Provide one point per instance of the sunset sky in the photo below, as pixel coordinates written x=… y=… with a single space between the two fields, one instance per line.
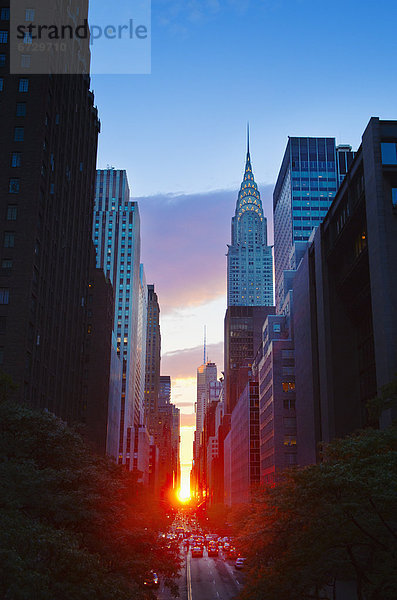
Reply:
x=290 y=67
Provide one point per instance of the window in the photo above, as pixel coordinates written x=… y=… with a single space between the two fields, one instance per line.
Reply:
x=19 y=134
x=12 y=211
x=23 y=85
x=16 y=159
x=5 y=14
x=389 y=153
x=2 y=60
x=1 y=84
x=25 y=61
x=21 y=109
x=4 y=295
x=289 y=404
x=288 y=386
x=276 y=327
x=3 y=36
x=14 y=186
x=29 y=14
x=6 y=263
x=9 y=239
x=394 y=197
x=289 y=440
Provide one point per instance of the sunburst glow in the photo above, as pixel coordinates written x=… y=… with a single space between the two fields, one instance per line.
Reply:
x=184 y=493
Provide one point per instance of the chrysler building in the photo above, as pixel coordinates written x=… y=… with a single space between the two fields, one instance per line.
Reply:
x=249 y=258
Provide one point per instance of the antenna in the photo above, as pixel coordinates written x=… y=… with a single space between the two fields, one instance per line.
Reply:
x=248 y=137
x=205 y=344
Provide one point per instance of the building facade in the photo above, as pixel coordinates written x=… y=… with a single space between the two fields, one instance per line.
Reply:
x=102 y=368
x=48 y=134
x=243 y=464
x=167 y=438
x=243 y=336
x=153 y=353
x=275 y=366
x=249 y=258
x=206 y=374
x=345 y=296
x=310 y=174
x=116 y=236
x=164 y=390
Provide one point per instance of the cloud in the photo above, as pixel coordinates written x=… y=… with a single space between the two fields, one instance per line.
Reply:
x=178 y=364
x=184 y=243
x=177 y=14
x=171 y=11
x=188 y=420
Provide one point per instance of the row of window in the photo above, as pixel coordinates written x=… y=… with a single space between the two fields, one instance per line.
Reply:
x=4 y=295
x=23 y=85
x=29 y=14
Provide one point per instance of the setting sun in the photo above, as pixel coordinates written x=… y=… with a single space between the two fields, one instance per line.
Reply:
x=184 y=494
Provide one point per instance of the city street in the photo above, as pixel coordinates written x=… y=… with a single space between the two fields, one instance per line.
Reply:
x=206 y=579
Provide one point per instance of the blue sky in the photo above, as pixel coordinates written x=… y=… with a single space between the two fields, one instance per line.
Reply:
x=290 y=67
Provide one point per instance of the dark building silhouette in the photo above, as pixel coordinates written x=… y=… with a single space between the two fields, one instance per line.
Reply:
x=242 y=455
x=345 y=298
x=167 y=438
x=102 y=368
x=243 y=335
x=153 y=351
x=48 y=135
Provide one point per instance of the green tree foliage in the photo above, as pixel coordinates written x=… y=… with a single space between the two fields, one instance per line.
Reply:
x=73 y=525
x=326 y=524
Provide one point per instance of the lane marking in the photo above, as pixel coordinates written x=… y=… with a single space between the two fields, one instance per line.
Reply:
x=188 y=578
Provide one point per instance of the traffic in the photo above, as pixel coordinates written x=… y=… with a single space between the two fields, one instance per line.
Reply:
x=212 y=564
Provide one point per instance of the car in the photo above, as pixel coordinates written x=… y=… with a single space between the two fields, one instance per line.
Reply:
x=152 y=580
x=197 y=552
x=212 y=550
x=239 y=564
x=232 y=553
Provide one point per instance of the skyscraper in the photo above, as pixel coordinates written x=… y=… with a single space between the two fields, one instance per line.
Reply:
x=249 y=258
x=167 y=437
x=153 y=352
x=116 y=234
x=345 y=296
x=48 y=134
x=165 y=389
x=310 y=174
x=249 y=284
x=205 y=374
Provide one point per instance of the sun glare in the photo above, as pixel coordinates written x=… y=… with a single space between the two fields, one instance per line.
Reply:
x=184 y=494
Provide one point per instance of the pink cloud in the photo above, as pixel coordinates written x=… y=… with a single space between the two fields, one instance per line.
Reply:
x=184 y=240
x=178 y=364
x=188 y=420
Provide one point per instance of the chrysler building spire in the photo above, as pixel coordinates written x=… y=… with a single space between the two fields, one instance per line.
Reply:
x=250 y=261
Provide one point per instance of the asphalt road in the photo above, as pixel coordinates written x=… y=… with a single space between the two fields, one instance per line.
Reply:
x=207 y=579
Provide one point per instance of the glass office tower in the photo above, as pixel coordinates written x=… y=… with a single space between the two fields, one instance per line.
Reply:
x=305 y=188
x=116 y=235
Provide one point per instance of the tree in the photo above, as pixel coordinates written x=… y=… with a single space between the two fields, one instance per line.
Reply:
x=73 y=524
x=328 y=523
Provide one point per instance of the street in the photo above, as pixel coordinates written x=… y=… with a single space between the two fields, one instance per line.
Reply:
x=206 y=579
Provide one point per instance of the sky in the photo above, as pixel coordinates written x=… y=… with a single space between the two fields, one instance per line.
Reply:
x=290 y=68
